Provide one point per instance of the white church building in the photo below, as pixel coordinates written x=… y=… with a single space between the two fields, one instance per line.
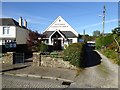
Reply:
x=59 y=34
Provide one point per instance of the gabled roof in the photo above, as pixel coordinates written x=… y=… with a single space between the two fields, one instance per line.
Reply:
x=47 y=33
x=9 y=22
x=62 y=25
x=66 y=34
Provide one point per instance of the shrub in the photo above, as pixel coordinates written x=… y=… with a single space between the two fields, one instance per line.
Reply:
x=42 y=47
x=74 y=54
x=104 y=41
x=54 y=54
x=111 y=54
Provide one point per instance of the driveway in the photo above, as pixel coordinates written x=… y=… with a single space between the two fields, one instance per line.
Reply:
x=99 y=72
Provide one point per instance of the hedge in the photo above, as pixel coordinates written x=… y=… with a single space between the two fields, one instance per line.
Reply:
x=74 y=53
x=104 y=41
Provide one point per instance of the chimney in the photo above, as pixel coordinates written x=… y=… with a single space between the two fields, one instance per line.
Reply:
x=25 y=23
x=20 y=21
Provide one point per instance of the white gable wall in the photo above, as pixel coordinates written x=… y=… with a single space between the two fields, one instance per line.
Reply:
x=61 y=25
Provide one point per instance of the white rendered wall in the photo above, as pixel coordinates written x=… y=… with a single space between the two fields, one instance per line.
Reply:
x=61 y=25
x=74 y=40
x=12 y=32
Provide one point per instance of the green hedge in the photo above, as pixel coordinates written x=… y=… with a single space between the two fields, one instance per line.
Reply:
x=74 y=53
x=104 y=41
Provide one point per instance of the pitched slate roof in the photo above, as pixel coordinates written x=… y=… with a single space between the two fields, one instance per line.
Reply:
x=47 y=33
x=67 y=34
x=9 y=22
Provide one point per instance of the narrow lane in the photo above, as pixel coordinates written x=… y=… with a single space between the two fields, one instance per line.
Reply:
x=99 y=72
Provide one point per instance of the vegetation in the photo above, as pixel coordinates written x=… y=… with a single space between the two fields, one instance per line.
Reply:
x=109 y=45
x=104 y=41
x=54 y=54
x=42 y=47
x=74 y=53
x=34 y=42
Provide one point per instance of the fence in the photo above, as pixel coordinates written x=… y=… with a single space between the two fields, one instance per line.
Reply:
x=18 y=58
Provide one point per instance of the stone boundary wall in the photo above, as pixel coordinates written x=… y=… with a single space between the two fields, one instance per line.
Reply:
x=7 y=58
x=48 y=61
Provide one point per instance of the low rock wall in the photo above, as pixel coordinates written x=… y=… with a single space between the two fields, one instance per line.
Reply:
x=7 y=58
x=48 y=61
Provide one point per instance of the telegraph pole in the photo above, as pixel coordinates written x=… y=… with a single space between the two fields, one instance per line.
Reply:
x=84 y=34
x=104 y=11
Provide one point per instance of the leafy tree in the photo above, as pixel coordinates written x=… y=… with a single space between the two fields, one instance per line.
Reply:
x=116 y=31
x=34 y=40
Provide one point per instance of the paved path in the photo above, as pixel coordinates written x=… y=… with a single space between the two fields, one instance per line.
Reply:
x=97 y=74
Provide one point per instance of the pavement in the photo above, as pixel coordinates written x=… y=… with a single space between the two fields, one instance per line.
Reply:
x=28 y=70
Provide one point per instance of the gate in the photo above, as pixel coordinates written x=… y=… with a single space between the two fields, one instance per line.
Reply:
x=18 y=58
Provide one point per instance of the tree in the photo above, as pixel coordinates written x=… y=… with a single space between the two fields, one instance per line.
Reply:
x=34 y=40
x=96 y=33
x=116 y=31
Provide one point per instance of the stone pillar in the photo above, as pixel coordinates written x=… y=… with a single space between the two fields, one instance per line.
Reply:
x=36 y=59
x=10 y=57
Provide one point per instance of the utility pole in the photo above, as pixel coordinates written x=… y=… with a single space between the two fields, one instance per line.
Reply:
x=84 y=34
x=104 y=11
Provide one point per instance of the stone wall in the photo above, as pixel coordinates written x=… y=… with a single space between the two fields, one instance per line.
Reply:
x=36 y=59
x=7 y=58
x=48 y=61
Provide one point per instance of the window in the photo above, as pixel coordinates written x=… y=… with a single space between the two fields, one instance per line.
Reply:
x=6 y=30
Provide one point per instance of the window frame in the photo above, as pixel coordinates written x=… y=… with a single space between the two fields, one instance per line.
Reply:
x=6 y=30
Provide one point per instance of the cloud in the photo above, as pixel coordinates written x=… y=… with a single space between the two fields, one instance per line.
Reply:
x=96 y=24
x=38 y=20
x=30 y=18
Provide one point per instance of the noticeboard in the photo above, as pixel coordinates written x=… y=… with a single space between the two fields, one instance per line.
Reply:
x=10 y=45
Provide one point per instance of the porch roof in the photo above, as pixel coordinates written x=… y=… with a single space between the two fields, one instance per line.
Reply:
x=67 y=34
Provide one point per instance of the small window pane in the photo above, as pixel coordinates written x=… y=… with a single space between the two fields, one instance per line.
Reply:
x=5 y=30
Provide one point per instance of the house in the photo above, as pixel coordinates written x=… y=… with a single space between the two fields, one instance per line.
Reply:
x=13 y=34
x=59 y=34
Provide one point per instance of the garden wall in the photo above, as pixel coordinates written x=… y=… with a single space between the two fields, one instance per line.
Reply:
x=7 y=58
x=48 y=61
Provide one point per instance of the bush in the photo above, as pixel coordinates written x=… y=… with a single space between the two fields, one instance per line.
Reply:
x=104 y=41
x=54 y=54
x=42 y=47
x=74 y=54
x=111 y=54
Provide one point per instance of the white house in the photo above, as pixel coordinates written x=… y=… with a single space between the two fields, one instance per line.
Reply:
x=12 y=31
x=60 y=33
